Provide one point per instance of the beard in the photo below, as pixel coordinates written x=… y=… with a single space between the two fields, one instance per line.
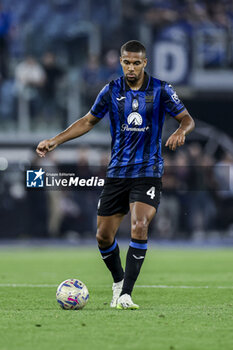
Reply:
x=132 y=80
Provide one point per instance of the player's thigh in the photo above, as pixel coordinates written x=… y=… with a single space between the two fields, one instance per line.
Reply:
x=141 y=216
x=141 y=212
x=107 y=226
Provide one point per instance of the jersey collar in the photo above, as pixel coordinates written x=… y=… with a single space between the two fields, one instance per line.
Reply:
x=144 y=85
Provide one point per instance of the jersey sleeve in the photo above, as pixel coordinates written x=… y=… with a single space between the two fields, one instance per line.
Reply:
x=101 y=104
x=170 y=100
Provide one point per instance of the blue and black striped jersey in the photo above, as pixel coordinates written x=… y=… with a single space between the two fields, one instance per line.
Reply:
x=136 y=122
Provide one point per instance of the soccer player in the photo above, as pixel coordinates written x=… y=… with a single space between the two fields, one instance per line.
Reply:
x=136 y=103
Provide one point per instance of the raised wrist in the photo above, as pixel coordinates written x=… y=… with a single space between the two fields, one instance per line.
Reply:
x=181 y=130
x=56 y=140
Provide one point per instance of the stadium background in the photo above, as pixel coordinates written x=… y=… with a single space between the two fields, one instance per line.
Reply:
x=56 y=55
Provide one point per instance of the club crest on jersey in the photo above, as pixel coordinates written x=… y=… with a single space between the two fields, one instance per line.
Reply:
x=135 y=104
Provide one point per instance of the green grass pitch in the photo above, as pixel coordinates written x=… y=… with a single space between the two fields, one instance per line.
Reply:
x=171 y=316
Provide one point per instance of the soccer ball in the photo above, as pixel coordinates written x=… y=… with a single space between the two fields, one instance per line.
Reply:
x=72 y=294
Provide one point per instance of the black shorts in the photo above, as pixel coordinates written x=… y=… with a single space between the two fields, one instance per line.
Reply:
x=119 y=193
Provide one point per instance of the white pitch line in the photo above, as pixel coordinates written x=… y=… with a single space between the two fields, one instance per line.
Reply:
x=184 y=287
x=15 y=285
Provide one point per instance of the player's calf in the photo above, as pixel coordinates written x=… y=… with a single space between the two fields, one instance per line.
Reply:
x=134 y=260
x=111 y=258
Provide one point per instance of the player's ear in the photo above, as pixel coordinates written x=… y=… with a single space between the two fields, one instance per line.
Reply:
x=145 y=62
x=121 y=60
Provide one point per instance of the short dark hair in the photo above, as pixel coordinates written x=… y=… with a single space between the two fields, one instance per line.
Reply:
x=133 y=46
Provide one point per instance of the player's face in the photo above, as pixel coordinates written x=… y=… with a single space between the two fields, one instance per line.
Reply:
x=133 y=64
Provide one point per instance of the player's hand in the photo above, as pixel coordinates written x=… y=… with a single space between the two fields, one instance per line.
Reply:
x=177 y=139
x=45 y=146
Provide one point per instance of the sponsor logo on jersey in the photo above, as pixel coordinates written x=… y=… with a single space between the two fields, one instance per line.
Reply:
x=120 y=98
x=134 y=120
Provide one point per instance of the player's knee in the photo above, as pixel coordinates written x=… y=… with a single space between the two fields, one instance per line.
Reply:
x=140 y=228
x=103 y=238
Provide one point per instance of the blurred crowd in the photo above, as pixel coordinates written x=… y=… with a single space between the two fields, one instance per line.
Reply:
x=198 y=194
x=196 y=13
x=33 y=91
x=41 y=47
x=196 y=204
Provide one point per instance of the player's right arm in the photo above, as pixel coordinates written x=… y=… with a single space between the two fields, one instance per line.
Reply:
x=77 y=129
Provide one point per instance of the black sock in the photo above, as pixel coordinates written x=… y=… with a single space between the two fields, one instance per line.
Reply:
x=111 y=257
x=135 y=257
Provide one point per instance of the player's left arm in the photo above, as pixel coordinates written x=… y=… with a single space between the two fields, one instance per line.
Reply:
x=187 y=125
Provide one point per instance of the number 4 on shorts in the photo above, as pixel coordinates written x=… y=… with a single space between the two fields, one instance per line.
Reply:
x=151 y=192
